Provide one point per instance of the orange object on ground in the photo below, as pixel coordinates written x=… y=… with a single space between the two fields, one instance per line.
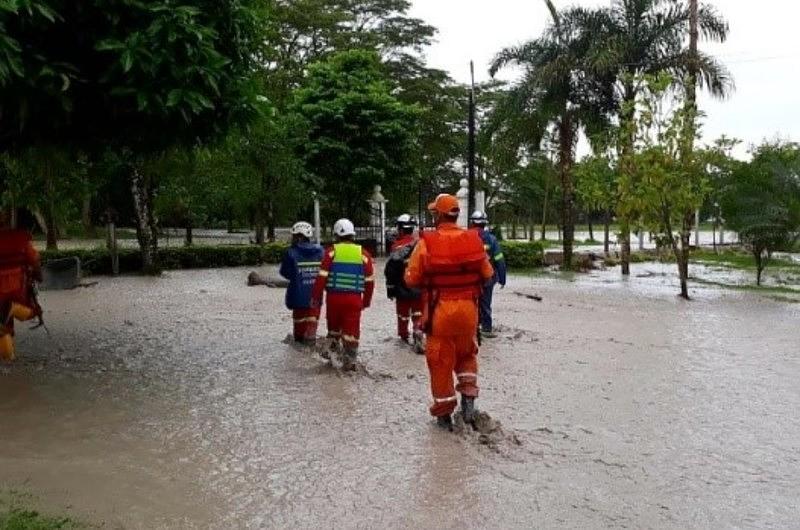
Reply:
x=305 y=324
x=451 y=266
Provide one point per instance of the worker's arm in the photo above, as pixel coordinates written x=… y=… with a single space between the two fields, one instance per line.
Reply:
x=487 y=271
x=287 y=269
x=322 y=279
x=414 y=270
x=499 y=261
x=369 y=279
x=34 y=262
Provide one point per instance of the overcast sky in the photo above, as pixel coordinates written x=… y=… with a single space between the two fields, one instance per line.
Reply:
x=762 y=52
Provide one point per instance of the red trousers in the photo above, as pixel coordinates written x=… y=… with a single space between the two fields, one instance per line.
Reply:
x=343 y=314
x=408 y=311
x=305 y=323
x=452 y=348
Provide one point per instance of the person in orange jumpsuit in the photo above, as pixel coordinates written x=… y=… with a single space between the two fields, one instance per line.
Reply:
x=20 y=266
x=408 y=302
x=347 y=275
x=450 y=265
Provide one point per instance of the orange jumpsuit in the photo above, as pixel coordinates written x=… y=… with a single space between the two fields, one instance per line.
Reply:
x=452 y=327
x=19 y=263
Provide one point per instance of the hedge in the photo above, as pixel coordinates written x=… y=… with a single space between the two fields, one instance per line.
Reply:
x=523 y=254
x=98 y=260
x=518 y=255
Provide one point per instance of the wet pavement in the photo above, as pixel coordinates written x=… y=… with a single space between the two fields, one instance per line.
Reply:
x=174 y=403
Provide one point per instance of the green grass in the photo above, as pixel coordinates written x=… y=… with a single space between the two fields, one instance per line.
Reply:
x=767 y=289
x=735 y=259
x=17 y=514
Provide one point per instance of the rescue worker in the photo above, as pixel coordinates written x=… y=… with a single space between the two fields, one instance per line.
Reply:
x=408 y=302
x=479 y=221
x=451 y=266
x=20 y=267
x=347 y=276
x=300 y=266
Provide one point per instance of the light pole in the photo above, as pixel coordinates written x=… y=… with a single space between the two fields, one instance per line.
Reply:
x=317 y=222
x=471 y=141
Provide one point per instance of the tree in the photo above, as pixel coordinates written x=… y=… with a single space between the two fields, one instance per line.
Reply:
x=596 y=187
x=561 y=84
x=762 y=201
x=138 y=77
x=646 y=37
x=359 y=134
x=663 y=185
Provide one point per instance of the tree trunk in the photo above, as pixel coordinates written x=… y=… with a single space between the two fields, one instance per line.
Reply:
x=625 y=165
x=86 y=217
x=146 y=230
x=565 y=144
x=681 y=253
x=189 y=232
x=270 y=220
x=591 y=228
x=606 y=229
x=544 y=212
x=757 y=253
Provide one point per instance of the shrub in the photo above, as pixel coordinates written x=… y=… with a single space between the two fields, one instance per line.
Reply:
x=98 y=260
x=523 y=254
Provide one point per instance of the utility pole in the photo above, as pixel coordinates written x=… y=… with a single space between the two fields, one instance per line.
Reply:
x=471 y=141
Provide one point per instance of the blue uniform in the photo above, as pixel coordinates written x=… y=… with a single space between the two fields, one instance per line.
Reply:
x=300 y=266
x=498 y=262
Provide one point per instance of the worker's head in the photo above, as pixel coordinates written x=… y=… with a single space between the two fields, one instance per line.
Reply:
x=302 y=232
x=445 y=209
x=344 y=230
x=406 y=224
x=479 y=219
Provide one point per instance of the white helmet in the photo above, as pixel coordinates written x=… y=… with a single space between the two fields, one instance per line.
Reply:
x=344 y=228
x=303 y=228
x=406 y=221
x=479 y=218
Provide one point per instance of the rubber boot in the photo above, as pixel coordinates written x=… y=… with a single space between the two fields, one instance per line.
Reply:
x=468 y=409
x=349 y=360
x=445 y=422
x=419 y=342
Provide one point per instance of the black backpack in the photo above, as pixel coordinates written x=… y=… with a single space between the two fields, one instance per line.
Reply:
x=395 y=271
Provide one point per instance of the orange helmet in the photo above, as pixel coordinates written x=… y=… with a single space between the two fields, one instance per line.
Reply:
x=445 y=204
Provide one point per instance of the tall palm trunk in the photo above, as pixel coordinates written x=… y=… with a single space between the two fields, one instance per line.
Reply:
x=565 y=145
x=625 y=165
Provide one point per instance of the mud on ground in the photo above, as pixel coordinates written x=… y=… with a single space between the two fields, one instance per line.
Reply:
x=173 y=403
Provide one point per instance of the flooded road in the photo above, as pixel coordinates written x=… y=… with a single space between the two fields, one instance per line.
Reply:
x=174 y=403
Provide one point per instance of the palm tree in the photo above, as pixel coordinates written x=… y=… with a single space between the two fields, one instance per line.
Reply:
x=560 y=89
x=642 y=37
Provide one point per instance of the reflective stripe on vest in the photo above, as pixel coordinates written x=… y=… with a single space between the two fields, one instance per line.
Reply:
x=347 y=270
x=308 y=271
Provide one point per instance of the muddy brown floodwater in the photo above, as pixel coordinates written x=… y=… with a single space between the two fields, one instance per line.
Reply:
x=174 y=403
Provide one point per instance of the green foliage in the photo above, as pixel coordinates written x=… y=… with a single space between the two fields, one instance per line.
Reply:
x=596 y=183
x=20 y=519
x=98 y=261
x=523 y=255
x=762 y=201
x=359 y=134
